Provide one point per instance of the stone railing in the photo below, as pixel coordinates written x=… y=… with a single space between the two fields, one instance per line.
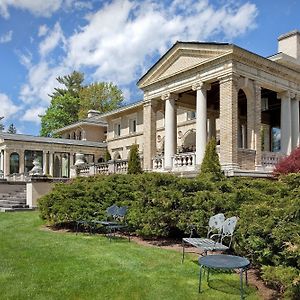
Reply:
x=18 y=177
x=121 y=166
x=184 y=161
x=83 y=170
x=270 y=159
x=101 y=168
x=158 y=163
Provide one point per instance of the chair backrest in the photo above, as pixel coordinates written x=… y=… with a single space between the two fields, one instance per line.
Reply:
x=228 y=228
x=215 y=224
x=112 y=210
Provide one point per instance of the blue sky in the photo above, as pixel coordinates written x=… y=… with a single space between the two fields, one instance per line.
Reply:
x=116 y=41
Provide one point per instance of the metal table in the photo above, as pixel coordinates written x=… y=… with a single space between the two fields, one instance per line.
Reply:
x=225 y=262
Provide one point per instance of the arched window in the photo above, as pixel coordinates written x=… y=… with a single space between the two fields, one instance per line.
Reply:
x=14 y=163
x=100 y=160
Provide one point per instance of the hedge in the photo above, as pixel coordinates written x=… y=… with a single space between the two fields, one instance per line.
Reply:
x=162 y=205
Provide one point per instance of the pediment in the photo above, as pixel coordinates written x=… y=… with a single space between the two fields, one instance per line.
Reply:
x=182 y=57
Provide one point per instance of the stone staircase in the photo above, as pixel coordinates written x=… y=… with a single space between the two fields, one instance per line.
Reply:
x=13 y=197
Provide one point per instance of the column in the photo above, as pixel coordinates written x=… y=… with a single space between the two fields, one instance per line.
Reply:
x=228 y=121
x=149 y=150
x=201 y=89
x=285 y=123
x=21 y=162
x=2 y=160
x=45 y=162
x=6 y=162
x=170 y=128
x=257 y=126
x=295 y=122
x=51 y=163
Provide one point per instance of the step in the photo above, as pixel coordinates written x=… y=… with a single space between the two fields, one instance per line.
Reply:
x=3 y=209
x=2 y=202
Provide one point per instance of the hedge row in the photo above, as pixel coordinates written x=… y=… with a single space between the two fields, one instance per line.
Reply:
x=162 y=205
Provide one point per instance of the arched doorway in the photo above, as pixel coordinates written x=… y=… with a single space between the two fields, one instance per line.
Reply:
x=189 y=141
x=14 y=163
x=242 y=119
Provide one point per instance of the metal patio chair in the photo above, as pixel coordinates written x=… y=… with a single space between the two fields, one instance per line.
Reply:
x=218 y=230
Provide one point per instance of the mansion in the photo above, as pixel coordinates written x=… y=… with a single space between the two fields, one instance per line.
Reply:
x=195 y=91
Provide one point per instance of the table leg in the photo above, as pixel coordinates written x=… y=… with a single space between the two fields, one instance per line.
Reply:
x=241 y=280
x=246 y=275
x=200 y=278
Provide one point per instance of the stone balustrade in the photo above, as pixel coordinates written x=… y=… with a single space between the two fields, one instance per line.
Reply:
x=121 y=166
x=270 y=159
x=158 y=163
x=184 y=161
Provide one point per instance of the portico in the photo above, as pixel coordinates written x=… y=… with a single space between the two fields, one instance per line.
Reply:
x=235 y=95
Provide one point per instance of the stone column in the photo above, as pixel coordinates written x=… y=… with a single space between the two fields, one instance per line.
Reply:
x=45 y=162
x=170 y=128
x=295 y=122
x=201 y=89
x=21 y=162
x=228 y=122
x=149 y=149
x=257 y=126
x=51 y=163
x=285 y=121
x=6 y=162
x=1 y=160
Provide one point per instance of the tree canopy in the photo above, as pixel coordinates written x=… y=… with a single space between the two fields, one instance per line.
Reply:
x=72 y=100
x=12 y=128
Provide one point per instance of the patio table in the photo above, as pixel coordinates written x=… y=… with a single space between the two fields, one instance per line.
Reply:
x=225 y=262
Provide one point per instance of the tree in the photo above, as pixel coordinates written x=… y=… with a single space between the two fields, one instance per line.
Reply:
x=289 y=164
x=64 y=105
x=134 y=162
x=1 y=127
x=211 y=165
x=62 y=111
x=107 y=156
x=101 y=96
x=72 y=84
x=12 y=129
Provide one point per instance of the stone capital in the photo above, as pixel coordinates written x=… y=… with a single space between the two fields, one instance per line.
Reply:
x=169 y=96
x=286 y=94
x=200 y=85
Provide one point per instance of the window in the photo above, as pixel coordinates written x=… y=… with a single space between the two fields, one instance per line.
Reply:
x=30 y=156
x=132 y=126
x=14 y=163
x=117 y=129
x=191 y=115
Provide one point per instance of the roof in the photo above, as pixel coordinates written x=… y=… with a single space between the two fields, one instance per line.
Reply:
x=94 y=121
x=48 y=140
x=176 y=44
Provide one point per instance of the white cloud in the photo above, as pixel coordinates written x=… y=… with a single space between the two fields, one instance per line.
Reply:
x=119 y=40
x=7 y=37
x=8 y=109
x=119 y=50
x=52 y=40
x=32 y=114
x=37 y=7
x=43 y=29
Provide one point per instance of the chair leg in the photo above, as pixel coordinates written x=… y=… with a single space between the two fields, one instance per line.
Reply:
x=241 y=283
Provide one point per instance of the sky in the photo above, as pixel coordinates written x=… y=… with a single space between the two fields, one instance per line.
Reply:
x=116 y=41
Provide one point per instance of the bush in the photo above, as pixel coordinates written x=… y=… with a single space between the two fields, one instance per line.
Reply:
x=163 y=205
x=134 y=162
x=211 y=165
x=289 y=164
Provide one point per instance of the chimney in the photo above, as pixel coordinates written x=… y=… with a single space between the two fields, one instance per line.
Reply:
x=289 y=43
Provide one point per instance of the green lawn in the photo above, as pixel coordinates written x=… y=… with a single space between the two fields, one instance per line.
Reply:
x=40 y=264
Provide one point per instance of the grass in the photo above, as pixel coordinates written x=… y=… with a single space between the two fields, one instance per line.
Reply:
x=40 y=264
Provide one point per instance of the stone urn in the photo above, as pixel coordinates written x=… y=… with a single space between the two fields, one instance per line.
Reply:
x=37 y=168
x=79 y=159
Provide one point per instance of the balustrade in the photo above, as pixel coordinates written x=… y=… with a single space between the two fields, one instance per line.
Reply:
x=270 y=159
x=158 y=163
x=184 y=161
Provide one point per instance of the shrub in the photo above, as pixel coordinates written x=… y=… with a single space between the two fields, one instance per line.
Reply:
x=107 y=156
x=211 y=165
x=134 y=162
x=289 y=164
x=285 y=279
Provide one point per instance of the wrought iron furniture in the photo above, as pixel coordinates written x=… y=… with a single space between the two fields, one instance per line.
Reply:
x=224 y=262
x=219 y=229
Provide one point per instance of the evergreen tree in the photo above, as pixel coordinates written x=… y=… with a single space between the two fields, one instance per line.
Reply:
x=107 y=156
x=12 y=129
x=134 y=162
x=1 y=127
x=211 y=165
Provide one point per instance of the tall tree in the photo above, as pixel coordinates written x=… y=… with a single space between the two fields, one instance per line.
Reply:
x=12 y=129
x=101 y=96
x=64 y=105
x=71 y=83
x=134 y=162
x=62 y=111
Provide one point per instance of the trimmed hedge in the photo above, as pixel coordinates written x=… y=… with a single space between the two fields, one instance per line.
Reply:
x=162 y=205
